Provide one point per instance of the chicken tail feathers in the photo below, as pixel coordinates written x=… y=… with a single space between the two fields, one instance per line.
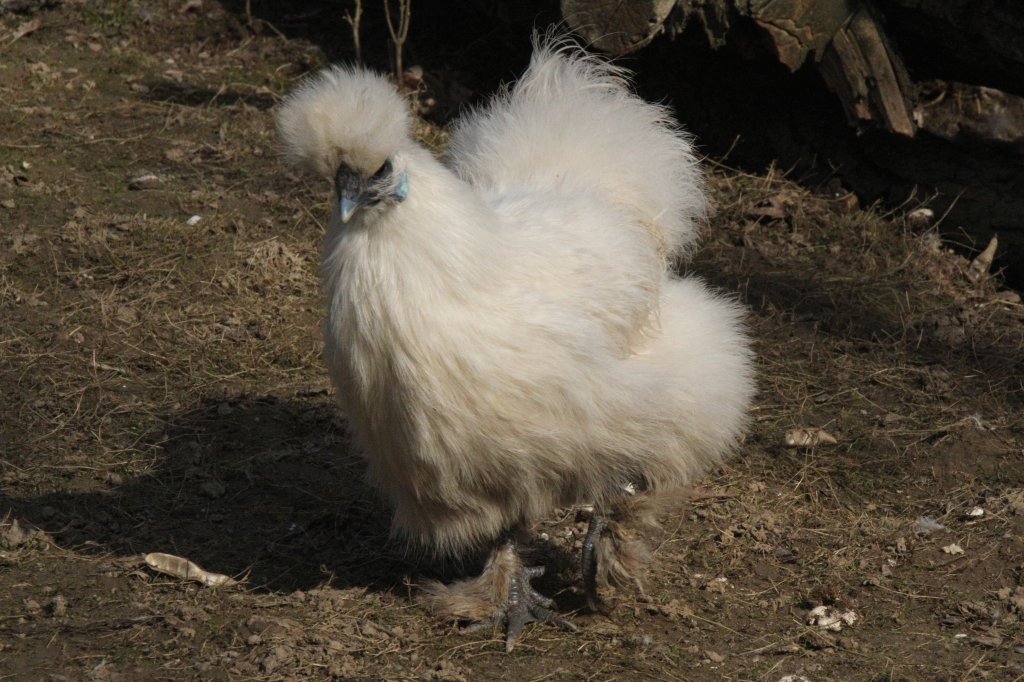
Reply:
x=573 y=123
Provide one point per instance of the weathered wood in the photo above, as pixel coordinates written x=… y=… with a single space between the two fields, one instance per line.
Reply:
x=848 y=42
x=979 y=41
x=867 y=75
x=798 y=28
x=957 y=51
x=960 y=113
x=615 y=26
x=715 y=16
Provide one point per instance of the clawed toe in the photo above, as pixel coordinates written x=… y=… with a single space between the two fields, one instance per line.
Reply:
x=524 y=605
x=501 y=596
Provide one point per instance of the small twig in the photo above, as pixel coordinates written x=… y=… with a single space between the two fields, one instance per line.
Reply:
x=399 y=33
x=354 y=20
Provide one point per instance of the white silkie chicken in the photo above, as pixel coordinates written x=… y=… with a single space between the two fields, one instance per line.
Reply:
x=504 y=332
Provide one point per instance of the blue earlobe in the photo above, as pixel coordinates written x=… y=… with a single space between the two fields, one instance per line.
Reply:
x=402 y=189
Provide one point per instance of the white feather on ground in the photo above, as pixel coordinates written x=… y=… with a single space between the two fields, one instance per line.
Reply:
x=503 y=330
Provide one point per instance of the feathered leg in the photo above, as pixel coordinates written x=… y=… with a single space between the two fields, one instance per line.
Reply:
x=500 y=595
x=612 y=554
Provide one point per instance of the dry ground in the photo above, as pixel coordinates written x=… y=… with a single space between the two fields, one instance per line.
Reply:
x=161 y=390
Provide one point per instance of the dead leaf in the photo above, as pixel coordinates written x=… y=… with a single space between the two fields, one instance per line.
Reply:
x=772 y=209
x=809 y=438
x=991 y=640
x=1015 y=596
x=24 y=29
x=144 y=181
x=927 y=524
x=180 y=567
x=830 y=618
x=983 y=261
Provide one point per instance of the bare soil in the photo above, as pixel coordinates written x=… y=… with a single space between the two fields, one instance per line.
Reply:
x=161 y=390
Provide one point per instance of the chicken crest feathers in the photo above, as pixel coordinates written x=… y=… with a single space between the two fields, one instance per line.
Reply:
x=572 y=120
x=345 y=114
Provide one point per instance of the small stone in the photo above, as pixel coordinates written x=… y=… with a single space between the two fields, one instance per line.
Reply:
x=1011 y=297
x=14 y=536
x=848 y=643
x=847 y=203
x=58 y=606
x=921 y=217
x=714 y=656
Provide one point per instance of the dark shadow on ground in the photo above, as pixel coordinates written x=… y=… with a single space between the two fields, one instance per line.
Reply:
x=264 y=486
x=188 y=95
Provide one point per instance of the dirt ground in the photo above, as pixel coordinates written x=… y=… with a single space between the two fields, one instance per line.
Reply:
x=161 y=390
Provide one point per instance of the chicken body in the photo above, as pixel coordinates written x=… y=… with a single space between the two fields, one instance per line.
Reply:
x=503 y=330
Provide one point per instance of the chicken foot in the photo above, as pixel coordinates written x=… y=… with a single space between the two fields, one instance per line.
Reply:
x=523 y=604
x=501 y=595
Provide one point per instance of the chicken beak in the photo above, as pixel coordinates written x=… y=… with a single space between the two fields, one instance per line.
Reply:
x=347 y=206
x=350 y=189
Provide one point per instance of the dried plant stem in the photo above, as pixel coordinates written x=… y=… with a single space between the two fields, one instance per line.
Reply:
x=398 y=33
x=354 y=19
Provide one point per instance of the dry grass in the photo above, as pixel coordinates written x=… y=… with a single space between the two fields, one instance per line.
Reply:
x=162 y=390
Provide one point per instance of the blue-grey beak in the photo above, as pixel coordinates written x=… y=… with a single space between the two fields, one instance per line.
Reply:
x=347 y=206
x=350 y=190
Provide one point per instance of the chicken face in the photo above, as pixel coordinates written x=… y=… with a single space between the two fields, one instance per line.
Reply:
x=354 y=191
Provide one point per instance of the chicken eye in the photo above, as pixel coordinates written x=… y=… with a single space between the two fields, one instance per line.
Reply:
x=383 y=171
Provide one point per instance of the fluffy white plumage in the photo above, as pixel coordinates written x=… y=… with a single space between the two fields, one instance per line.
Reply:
x=505 y=335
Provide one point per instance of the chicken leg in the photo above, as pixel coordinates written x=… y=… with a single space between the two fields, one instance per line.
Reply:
x=589 y=561
x=612 y=554
x=500 y=595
